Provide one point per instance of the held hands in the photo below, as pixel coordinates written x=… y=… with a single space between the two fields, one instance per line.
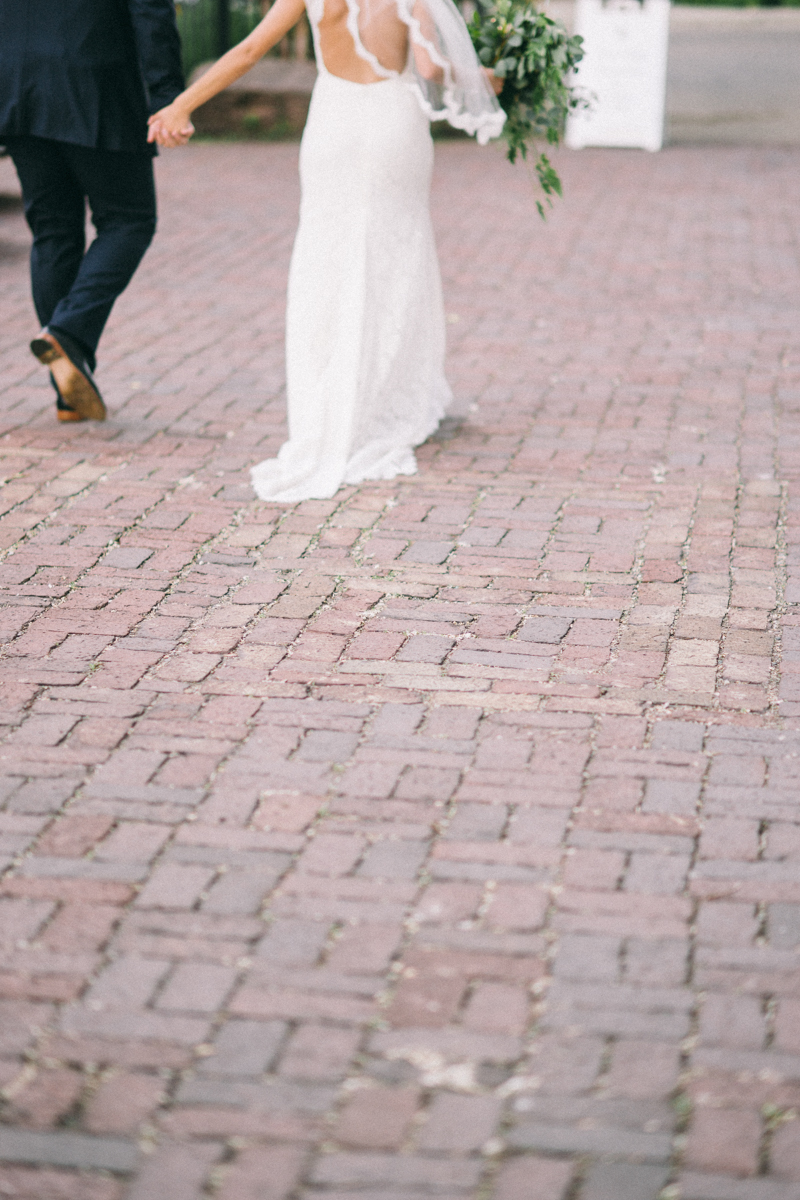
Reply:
x=494 y=81
x=170 y=126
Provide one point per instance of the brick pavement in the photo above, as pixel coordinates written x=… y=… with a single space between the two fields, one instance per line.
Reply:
x=440 y=839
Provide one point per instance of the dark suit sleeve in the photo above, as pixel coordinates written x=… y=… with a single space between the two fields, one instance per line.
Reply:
x=159 y=47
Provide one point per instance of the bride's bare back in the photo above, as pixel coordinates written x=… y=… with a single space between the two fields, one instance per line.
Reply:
x=382 y=33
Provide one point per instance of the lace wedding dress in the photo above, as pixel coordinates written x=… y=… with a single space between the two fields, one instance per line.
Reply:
x=365 y=324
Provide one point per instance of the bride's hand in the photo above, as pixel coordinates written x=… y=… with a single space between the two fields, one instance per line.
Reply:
x=494 y=81
x=170 y=126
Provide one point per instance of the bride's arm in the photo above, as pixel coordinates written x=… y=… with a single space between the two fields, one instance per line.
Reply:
x=171 y=126
x=427 y=68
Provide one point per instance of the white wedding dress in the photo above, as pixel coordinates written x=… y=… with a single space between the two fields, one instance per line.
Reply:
x=365 y=336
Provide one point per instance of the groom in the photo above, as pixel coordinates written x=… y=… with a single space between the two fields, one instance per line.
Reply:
x=78 y=79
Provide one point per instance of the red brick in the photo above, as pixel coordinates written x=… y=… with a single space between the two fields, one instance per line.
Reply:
x=197 y=987
x=331 y=854
x=122 y=1102
x=428 y=783
x=594 y=868
x=724 y=1141
x=77 y=891
x=29 y=981
x=263 y=1173
x=396 y=859
x=377 y=1117
x=383 y=550
x=135 y=767
x=621 y=732
x=591 y=633
x=105 y=1051
x=518 y=906
x=214 y=641
x=49 y=1096
x=187 y=667
x=174 y=1171
x=40 y=730
x=448 y=902
x=784 y=1159
x=21 y=918
x=787 y=1025
x=230 y=710
x=288 y=812
x=621 y=913
x=21 y=1024
x=497 y=1008
x=656 y=964
x=729 y=838
x=80 y=928
x=735 y=1021
x=262 y=589
x=364 y=948
x=449 y=722
x=642 y=1070
x=136 y=841
x=722 y=922
x=318 y=647
x=43 y=1183
x=533 y=1178
x=428 y=1000
x=187 y=770
x=459 y=1123
x=373 y=779
x=72 y=835
x=375 y=645
x=319 y=1052
x=126 y=983
x=173 y=885
x=622 y=795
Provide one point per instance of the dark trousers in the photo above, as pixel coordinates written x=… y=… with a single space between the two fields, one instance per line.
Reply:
x=74 y=289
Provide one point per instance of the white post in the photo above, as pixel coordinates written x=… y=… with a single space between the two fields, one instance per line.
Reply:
x=624 y=73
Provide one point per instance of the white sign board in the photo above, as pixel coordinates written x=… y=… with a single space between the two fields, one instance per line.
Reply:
x=624 y=71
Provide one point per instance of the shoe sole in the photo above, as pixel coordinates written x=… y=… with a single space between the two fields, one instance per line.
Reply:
x=76 y=390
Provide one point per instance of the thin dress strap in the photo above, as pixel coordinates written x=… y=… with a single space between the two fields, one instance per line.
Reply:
x=314 y=11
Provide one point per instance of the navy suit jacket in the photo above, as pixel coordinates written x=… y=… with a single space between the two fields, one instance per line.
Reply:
x=87 y=72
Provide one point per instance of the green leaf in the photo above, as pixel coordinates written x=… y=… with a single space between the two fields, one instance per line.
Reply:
x=535 y=57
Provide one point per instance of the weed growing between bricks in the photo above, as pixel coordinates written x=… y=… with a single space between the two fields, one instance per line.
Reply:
x=439 y=840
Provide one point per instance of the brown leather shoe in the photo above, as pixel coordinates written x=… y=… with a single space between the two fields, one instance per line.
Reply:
x=74 y=381
x=68 y=414
x=63 y=411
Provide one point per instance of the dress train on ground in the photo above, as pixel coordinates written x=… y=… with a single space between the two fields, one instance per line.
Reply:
x=365 y=330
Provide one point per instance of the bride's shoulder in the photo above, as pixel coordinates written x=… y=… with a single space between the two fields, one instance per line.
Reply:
x=332 y=10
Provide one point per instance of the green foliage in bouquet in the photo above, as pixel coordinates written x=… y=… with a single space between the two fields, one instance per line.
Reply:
x=534 y=55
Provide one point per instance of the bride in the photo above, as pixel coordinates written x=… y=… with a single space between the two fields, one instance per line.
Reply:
x=364 y=322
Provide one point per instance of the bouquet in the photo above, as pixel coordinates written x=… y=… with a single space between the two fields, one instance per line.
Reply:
x=534 y=56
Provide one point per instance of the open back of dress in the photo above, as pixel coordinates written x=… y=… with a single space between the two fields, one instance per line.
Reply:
x=423 y=41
